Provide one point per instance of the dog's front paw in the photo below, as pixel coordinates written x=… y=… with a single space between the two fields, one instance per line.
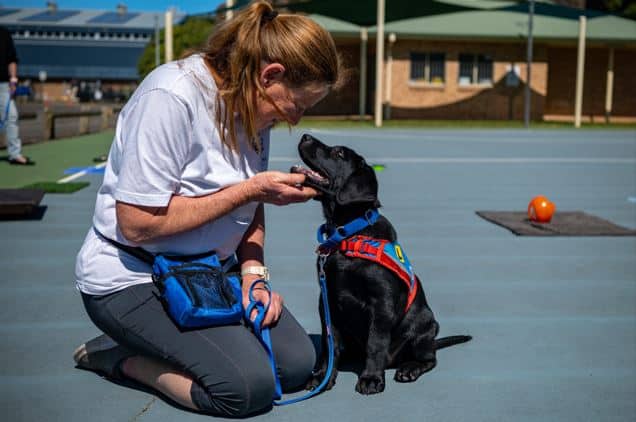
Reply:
x=411 y=371
x=316 y=380
x=370 y=384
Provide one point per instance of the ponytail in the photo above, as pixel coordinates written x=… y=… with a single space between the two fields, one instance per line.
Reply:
x=237 y=48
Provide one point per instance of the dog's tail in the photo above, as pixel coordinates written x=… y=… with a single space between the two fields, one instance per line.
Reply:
x=440 y=343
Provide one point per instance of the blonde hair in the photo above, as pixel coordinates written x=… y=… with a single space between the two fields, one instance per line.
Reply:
x=237 y=48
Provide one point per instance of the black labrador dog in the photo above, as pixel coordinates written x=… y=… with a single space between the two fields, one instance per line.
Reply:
x=370 y=319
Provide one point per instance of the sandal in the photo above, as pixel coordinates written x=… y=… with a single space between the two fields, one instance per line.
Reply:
x=21 y=161
x=102 y=355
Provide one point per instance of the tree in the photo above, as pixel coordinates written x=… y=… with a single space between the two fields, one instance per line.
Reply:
x=189 y=35
x=625 y=8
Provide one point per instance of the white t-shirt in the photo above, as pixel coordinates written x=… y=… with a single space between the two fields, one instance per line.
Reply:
x=167 y=143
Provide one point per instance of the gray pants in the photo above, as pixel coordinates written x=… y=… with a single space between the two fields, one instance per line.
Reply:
x=231 y=369
x=9 y=121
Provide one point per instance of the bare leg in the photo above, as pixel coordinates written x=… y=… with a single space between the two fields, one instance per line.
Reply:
x=162 y=377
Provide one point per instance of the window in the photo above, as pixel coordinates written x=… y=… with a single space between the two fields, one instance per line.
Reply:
x=475 y=69
x=428 y=67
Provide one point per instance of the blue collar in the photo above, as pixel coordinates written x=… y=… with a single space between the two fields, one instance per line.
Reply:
x=328 y=239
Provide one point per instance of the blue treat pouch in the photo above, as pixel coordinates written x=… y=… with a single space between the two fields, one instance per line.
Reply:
x=196 y=292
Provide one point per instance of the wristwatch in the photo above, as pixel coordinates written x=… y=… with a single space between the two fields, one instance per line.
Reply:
x=260 y=271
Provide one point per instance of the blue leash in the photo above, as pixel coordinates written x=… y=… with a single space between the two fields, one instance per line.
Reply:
x=263 y=334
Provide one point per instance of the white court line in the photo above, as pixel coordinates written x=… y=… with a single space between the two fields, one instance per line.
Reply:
x=80 y=173
x=484 y=160
x=439 y=160
x=457 y=135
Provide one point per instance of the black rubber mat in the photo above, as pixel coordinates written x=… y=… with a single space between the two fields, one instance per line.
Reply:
x=15 y=203
x=566 y=223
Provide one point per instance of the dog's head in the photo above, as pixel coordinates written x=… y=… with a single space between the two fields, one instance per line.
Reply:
x=348 y=185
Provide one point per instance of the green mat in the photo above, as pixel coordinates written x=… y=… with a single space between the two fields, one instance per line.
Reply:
x=53 y=158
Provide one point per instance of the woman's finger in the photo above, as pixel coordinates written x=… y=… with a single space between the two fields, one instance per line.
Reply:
x=275 y=310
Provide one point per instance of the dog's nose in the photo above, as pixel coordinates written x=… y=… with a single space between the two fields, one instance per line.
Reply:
x=306 y=138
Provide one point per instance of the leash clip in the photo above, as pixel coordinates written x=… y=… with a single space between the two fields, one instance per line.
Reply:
x=322 y=258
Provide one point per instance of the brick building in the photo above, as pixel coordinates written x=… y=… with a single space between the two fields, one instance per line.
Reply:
x=465 y=61
x=471 y=64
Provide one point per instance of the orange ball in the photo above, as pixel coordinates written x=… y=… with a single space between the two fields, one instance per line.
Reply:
x=541 y=209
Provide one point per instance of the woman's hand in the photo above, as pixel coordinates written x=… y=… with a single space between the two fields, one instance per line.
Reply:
x=259 y=293
x=278 y=188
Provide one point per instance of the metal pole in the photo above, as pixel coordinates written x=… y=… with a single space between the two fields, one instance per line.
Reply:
x=528 y=90
x=580 y=67
x=389 y=75
x=379 y=62
x=609 y=87
x=168 y=36
x=229 y=13
x=364 y=36
x=157 y=44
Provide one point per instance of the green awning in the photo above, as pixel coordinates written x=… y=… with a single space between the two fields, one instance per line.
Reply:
x=511 y=25
x=337 y=27
x=611 y=28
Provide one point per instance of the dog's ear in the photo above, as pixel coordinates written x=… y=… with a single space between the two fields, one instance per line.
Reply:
x=360 y=186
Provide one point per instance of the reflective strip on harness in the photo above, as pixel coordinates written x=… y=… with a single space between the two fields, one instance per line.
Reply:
x=388 y=254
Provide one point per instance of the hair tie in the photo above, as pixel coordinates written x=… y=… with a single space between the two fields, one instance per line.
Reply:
x=268 y=16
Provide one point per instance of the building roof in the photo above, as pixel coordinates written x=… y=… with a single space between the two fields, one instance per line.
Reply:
x=337 y=27
x=512 y=23
x=611 y=28
x=12 y=17
x=470 y=19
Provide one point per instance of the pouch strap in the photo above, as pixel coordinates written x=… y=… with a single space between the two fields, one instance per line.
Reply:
x=136 y=251
x=149 y=258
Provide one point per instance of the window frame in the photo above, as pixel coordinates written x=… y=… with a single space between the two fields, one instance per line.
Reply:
x=474 y=68
x=426 y=56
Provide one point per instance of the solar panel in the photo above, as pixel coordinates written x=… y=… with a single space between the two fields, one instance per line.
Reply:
x=4 y=12
x=50 y=17
x=113 y=17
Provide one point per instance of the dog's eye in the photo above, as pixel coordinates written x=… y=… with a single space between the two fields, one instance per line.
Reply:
x=338 y=153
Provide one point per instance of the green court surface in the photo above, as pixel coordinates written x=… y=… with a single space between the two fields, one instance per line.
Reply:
x=52 y=158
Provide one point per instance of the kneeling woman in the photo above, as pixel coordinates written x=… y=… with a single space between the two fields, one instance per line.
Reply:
x=187 y=174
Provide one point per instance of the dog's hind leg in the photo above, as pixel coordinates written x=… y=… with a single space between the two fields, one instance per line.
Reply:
x=412 y=370
x=424 y=357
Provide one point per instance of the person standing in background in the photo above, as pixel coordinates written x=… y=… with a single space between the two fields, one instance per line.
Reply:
x=8 y=109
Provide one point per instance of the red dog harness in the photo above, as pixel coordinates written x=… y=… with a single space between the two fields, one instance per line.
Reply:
x=388 y=254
